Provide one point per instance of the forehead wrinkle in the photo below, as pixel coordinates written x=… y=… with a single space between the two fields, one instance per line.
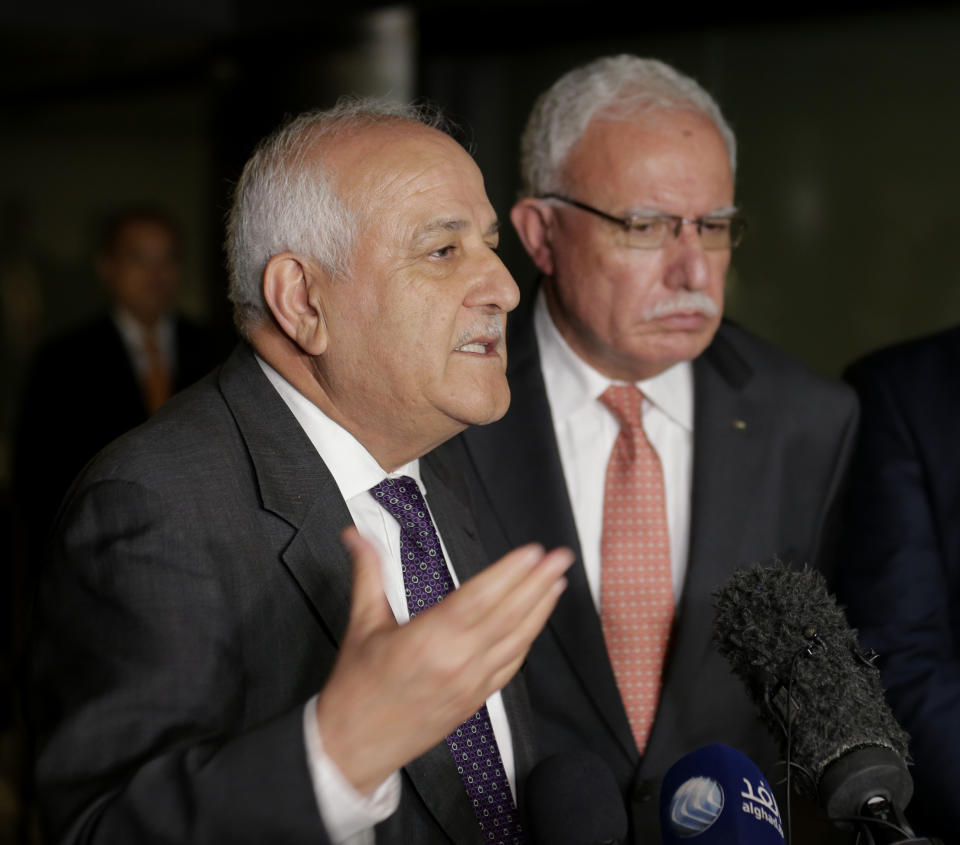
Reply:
x=451 y=225
x=439 y=225
x=409 y=178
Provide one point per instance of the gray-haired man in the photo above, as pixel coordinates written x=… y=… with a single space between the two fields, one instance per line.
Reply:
x=662 y=444
x=206 y=675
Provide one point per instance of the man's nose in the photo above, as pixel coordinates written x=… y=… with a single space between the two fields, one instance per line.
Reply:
x=494 y=287
x=688 y=265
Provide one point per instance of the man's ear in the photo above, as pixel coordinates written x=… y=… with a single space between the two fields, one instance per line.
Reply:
x=291 y=288
x=533 y=219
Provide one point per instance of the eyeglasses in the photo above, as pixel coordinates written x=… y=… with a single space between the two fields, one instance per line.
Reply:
x=650 y=232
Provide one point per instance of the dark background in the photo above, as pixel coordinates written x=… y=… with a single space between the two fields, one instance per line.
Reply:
x=847 y=121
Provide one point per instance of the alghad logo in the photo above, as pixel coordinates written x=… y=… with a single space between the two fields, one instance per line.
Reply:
x=696 y=805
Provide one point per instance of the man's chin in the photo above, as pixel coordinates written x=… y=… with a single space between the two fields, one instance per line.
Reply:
x=496 y=413
x=491 y=409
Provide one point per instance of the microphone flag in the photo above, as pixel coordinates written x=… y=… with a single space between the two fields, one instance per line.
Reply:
x=716 y=794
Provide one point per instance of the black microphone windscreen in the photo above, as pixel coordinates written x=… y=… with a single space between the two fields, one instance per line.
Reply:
x=572 y=798
x=780 y=629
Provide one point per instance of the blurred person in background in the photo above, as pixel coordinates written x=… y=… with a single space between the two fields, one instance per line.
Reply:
x=899 y=576
x=102 y=378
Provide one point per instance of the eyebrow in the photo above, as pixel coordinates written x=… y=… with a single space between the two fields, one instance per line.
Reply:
x=643 y=211
x=452 y=224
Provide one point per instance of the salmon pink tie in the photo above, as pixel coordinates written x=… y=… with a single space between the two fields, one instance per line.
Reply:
x=636 y=588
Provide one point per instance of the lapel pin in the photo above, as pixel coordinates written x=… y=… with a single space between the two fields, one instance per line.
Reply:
x=740 y=425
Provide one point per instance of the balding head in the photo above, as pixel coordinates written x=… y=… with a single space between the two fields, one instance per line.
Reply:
x=385 y=302
x=287 y=197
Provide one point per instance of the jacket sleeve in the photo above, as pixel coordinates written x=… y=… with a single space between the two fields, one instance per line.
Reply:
x=140 y=690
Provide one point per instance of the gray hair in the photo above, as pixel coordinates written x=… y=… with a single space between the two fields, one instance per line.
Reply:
x=618 y=87
x=285 y=200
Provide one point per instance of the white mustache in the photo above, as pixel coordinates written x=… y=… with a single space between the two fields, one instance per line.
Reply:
x=683 y=302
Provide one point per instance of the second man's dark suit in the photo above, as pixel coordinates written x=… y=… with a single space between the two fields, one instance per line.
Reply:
x=771 y=441
x=195 y=602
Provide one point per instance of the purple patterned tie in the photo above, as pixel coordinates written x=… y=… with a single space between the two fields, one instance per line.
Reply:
x=426 y=581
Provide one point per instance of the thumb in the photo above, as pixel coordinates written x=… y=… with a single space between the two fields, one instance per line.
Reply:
x=369 y=609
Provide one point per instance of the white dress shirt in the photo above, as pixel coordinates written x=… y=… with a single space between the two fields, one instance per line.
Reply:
x=348 y=816
x=586 y=430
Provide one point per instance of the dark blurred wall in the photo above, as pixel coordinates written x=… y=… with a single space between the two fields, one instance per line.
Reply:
x=126 y=105
x=847 y=125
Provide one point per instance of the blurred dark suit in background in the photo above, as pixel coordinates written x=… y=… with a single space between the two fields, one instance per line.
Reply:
x=900 y=575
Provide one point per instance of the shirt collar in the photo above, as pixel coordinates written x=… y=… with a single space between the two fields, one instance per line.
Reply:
x=353 y=468
x=573 y=384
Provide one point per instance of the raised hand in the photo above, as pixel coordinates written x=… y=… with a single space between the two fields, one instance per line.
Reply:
x=396 y=691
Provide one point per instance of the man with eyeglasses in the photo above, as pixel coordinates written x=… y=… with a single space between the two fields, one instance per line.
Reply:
x=667 y=447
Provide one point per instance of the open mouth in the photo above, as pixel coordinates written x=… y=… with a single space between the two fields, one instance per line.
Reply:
x=479 y=346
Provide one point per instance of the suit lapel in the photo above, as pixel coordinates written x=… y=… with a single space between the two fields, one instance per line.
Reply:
x=517 y=458
x=730 y=442
x=295 y=485
x=519 y=465
x=448 y=500
x=729 y=446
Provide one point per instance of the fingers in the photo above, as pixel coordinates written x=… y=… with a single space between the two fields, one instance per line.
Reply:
x=396 y=691
x=524 y=611
x=506 y=655
x=518 y=577
x=491 y=621
x=511 y=588
x=513 y=622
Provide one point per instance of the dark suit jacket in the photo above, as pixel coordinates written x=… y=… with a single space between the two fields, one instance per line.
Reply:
x=81 y=393
x=770 y=445
x=901 y=574
x=196 y=597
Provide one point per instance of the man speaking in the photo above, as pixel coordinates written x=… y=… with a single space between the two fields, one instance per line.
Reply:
x=205 y=674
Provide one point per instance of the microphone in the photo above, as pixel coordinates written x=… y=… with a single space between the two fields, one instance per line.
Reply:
x=572 y=798
x=716 y=794
x=788 y=641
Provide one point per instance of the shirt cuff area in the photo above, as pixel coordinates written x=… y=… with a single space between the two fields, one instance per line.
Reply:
x=347 y=815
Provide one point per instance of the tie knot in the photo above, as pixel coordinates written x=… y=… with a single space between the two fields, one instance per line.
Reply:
x=626 y=403
x=401 y=498
x=426 y=579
